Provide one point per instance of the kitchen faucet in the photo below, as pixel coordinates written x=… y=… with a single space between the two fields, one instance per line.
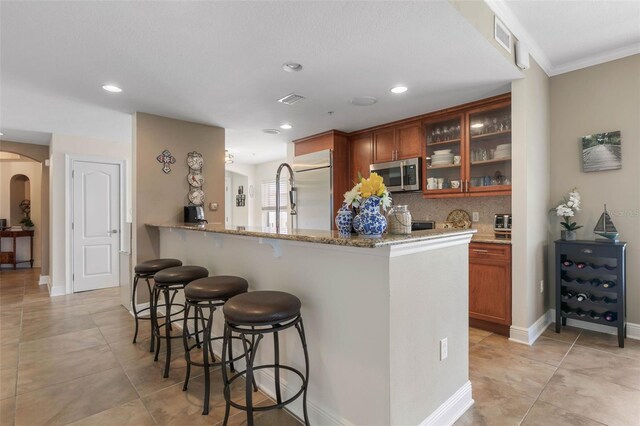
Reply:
x=292 y=183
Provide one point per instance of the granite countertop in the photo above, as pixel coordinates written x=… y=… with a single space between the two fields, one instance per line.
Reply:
x=489 y=238
x=322 y=237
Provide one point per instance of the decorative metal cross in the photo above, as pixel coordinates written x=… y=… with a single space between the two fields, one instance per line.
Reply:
x=166 y=159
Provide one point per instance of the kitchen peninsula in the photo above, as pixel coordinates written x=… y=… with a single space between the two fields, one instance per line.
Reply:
x=375 y=314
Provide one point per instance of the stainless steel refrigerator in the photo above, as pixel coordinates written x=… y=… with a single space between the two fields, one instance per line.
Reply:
x=314 y=190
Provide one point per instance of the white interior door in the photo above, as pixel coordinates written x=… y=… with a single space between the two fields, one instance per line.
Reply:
x=96 y=225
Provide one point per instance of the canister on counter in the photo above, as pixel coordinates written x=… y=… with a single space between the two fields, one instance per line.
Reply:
x=399 y=220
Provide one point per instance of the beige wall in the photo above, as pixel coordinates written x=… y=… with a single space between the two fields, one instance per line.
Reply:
x=82 y=147
x=531 y=150
x=160 y=197
x=38 y=153
x=9 y=207
x=598 y=99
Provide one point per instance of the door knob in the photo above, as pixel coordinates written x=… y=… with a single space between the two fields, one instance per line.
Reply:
x=114 y=231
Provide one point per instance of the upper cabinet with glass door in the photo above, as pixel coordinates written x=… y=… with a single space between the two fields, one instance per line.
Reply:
x=489 y=150
x=444 y=172
x=468 y=152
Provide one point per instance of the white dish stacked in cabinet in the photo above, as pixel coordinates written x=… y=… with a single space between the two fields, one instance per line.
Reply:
x=503 y=151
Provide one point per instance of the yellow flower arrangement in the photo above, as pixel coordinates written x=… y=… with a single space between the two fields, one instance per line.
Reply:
x=371 y=186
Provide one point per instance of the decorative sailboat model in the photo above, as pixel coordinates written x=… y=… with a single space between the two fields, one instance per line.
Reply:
x=605 y=227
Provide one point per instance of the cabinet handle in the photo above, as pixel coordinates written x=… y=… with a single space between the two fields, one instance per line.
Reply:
x=480 y=251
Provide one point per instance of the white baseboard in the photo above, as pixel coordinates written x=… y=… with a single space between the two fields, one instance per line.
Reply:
x=529 y=335
x=44 y=280
x=633 y=330
x=452 y=409
x=56 y=290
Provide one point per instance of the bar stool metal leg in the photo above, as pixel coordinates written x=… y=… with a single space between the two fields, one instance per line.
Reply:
x=167 y=329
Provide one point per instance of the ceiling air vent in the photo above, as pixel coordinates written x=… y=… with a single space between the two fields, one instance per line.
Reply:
x=501 y=34
x=271 y=131
x=291 y=99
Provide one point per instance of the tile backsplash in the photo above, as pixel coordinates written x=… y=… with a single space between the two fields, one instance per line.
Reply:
x=438 y=209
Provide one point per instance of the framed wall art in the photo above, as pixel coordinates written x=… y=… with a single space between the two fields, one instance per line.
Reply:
x=601 y=151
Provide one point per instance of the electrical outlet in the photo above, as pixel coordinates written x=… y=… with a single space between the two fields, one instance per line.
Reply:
x=475 y=217
x=213 y=207
x=444 y=349
x=541 y=286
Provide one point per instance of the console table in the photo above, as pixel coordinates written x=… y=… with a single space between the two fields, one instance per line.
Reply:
x=9 y=257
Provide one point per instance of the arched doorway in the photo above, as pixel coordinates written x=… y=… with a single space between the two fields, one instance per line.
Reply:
x=19 y=199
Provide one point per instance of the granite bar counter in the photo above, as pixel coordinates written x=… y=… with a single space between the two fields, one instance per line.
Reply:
x=321 y=237
x=375 y=311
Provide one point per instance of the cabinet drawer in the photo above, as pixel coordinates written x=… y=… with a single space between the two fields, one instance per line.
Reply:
x=490 y=251
x=6 y=257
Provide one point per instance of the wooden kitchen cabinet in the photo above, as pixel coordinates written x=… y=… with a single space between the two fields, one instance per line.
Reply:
x=384 y=145
x=409 y=141
x=360 y=151
x=490 y=287
x=480 y=134
x=397 y=143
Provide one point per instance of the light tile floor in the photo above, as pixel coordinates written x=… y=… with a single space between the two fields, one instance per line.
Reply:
x=70 y=360
x=577 y=377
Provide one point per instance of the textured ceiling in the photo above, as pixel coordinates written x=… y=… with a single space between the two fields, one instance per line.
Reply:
x=220 y=63
x=569 y=35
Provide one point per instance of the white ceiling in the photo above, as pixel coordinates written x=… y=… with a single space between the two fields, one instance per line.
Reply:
x=220 y=63
x=565 y=35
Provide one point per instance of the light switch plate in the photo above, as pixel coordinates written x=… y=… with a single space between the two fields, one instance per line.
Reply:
x=444 y=349
x=475 y=217
x=213 y=207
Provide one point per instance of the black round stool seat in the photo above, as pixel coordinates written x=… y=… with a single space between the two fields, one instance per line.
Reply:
x=209 y=294
x=219 y=287
x=145 y=270
x=155 y=265
x=256 y=315
x=261 y=307
x=168 y=283
x=180 y=275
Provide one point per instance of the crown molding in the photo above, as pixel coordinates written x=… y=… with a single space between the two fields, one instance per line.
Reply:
x=503 y=11
x=601 y=58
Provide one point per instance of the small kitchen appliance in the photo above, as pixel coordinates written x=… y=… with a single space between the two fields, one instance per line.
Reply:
x=194 y=214
x=399 y=176
x=502 y=225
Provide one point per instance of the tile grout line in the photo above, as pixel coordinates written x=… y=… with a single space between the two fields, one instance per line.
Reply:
x=551 y=377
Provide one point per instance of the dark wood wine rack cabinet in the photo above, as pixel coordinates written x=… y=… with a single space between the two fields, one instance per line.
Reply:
x=590 y=284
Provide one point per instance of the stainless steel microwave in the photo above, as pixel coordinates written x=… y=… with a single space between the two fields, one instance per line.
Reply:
x=401 y=175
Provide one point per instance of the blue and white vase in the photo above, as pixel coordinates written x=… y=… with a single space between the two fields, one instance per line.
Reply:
x=370 y=223
x=344 y=221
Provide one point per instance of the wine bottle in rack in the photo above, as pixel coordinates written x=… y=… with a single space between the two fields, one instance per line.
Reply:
x=610 y=316
x=608 y=284
x=581 y=297
x=581 y=265
x=567 y=263
x=595 y=315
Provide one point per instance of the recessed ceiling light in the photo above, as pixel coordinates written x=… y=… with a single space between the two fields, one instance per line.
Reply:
x=271 y=131
x=285 y=126
x=111 y=88
x=476 y=125
x=291 y=67
x=1 y=134
x=363 y=100
x=399 y=89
